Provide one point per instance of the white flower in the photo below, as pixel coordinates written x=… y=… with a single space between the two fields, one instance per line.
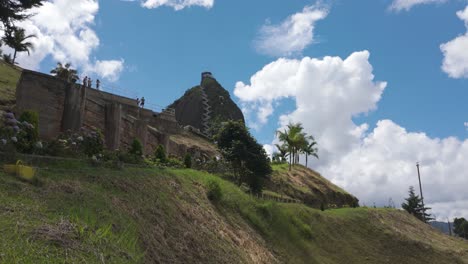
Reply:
x=73 y=143
x=80 y=138
x=4 y=141
x=14 y=139
x=39 y=144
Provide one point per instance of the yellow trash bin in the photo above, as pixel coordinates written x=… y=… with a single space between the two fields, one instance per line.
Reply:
x=22 y=171
x=25 y=172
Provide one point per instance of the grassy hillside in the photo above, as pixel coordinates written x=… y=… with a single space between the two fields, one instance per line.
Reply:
x=84 y=214
x=9 y=77
x=308 y=186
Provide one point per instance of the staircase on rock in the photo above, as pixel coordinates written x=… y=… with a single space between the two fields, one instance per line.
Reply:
x=206 y=112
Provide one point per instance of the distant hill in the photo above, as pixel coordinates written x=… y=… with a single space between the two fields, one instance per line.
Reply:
x=442 y=226
x=205 y=106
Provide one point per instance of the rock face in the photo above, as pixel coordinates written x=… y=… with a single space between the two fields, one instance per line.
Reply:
x=206 y=106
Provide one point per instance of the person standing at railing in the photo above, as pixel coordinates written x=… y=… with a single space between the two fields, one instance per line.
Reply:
x=138 y=102
x=90 y=82
x=85 y=81
x=98 y=83
x=142 y=103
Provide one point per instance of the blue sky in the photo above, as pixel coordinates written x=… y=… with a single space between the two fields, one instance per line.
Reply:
x=164 y=52
x=160 y=52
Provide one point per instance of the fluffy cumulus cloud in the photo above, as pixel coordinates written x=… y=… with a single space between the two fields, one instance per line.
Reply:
x=398 y=5
x=64 y=31
x=292 y=35
x=455 y=62
x=108 y=69
x=176 y=4
x=376 y=164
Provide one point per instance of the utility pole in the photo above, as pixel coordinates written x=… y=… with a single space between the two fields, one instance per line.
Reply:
x=450 y=226
x=420 y=190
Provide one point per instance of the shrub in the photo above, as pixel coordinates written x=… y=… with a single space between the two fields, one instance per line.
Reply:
x=92 y=143
x=32 y=118
x=24 y=132
x=188 y=161
x=160 y=154
x=214 y=192
x=174 y=163
x=136 y=148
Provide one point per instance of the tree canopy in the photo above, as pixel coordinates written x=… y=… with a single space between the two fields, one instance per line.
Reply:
x=16 y=39
x=65 y=72
x=460 y=227
x=12 y=11
x=294 y=142
x=247 y=157
x=414 y=206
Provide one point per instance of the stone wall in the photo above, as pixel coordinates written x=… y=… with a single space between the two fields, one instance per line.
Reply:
x=63 y=106
x=46 y=95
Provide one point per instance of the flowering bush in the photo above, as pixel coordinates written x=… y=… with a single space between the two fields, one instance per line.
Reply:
x=86 y=143
x=22 y=134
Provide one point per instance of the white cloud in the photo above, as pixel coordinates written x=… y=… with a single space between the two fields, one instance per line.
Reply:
x=291 y=36
x=398 y=5
x=177 y=4
x=455 y=62
x=374 y=165
x=64 y=31
x=109 y=69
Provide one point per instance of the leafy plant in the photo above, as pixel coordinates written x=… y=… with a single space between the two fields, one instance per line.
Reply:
x=188 y=161
x=160 y=154
x=247 y=158
x=136 y=148
x=214 y=192
x=92 y=143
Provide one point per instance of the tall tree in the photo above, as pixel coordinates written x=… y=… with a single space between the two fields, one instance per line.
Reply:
x=460 y=227
x=65 y=72
x=294 y=140
x=16 y=39
x=283 y=152
x=414 y=206
x=310 y=148
x=248 y=159
x=12 y=11
x=283 y=136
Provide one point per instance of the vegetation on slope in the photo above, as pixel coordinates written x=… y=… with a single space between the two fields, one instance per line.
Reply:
x=308 y=186
x=135 y=215
x=9 y=77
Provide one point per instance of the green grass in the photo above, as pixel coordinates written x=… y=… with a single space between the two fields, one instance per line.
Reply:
x=83 y=214
x=9 y=77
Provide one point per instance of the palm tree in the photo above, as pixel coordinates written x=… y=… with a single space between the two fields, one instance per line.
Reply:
x=310 y=148
x=283 y=152
x=16 y=39
x=283 y=136
x=65 y=72
x=293 y=141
